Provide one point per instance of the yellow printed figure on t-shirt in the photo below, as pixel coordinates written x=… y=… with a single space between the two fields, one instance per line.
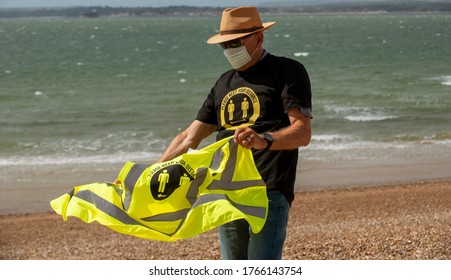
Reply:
x=245 y=107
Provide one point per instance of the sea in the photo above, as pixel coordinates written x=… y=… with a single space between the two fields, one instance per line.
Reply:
x=94 y=93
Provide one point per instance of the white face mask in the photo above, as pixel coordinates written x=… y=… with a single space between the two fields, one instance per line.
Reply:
x=237 y=56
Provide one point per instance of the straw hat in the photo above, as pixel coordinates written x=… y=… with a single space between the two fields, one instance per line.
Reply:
x=237 y=23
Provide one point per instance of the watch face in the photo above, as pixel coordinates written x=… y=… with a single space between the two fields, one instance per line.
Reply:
x=268 y=137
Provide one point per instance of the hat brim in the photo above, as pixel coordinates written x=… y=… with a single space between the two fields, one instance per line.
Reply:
x=219 y=38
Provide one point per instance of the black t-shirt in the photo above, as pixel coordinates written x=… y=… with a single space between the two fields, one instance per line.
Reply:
x=260 y=97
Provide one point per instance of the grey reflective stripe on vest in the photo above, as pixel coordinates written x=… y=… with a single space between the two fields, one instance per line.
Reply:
x=248 y=210
x=112 y=210
x=226 y=182
x=172 y=216
x=229 y=169
x=191 y=194
x=106 y=207
x=233 y=186
x=216 y=159
x=130 y=182
x=204 y=199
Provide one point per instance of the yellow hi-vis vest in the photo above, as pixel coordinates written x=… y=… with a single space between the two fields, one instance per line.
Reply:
x=177 y=199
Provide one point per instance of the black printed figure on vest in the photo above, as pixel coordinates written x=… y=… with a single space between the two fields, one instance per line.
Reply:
x=167 y=180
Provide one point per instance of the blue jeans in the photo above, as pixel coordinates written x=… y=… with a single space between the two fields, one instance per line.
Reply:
x=239 y=243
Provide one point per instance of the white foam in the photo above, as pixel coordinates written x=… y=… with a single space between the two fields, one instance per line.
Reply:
x=303 y=54
x=369 y=117
x=347 y=144
x=325 y=147
x=329 y=137
x=359 y=114
x=119 y=157
x=446 y=80
x=344 y=109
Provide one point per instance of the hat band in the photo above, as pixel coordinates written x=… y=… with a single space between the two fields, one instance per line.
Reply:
x=228 y=32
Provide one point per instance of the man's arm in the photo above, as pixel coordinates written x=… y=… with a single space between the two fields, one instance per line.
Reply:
x=297 y=134
x=189 y=138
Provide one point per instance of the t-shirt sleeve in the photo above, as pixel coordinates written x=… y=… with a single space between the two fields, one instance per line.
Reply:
x=296 y=92
x=207 y=113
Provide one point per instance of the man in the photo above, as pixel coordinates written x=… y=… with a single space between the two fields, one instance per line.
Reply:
x=265 y=103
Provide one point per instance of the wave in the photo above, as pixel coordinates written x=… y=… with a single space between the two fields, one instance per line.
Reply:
x=358 y=113
x=334 y=148
x=40 y=160
x=303 y=54
x=369 y=117
x=323 y=147
x=351 y=142
x=444 y=79
x=339 y=142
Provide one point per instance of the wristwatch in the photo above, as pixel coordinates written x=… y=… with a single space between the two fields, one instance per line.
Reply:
x=269 y=140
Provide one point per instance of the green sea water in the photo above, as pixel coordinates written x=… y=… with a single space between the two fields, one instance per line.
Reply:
x=115 y=89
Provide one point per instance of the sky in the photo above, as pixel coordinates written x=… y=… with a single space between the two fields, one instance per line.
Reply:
x=143 y=3
x=130 y=3
x=161 y=3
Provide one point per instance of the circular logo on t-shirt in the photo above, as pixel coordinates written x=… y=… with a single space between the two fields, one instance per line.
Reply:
x=239 y=108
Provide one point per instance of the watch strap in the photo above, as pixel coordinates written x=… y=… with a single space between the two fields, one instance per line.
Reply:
x=269 y=140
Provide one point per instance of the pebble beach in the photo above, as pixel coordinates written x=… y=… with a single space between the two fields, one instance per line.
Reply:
x=409 y=221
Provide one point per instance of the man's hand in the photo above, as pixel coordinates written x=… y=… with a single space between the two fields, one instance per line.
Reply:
x=189 y=138
x=297 y=134
x=248 y=138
